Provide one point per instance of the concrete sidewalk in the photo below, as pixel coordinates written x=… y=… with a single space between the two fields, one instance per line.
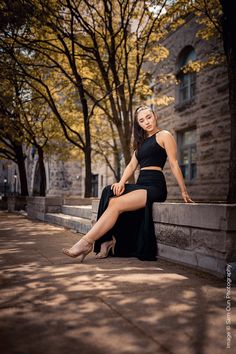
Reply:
x=51 y=304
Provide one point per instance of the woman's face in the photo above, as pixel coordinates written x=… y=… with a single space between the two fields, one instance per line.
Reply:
x=147 y=120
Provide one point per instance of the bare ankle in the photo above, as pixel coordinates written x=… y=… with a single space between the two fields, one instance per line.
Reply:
x=88 y=239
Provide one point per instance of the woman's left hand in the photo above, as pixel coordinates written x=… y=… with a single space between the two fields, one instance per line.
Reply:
x=187 y=198
x=118 y=188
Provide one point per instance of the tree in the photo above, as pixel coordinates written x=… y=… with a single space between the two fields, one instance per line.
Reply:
x=11 y=142
x=37 y=65
x=115 y=39
x=99 y=47
x=25 y=122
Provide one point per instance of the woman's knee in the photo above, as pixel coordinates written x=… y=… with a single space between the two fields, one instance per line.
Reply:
x=115 y=204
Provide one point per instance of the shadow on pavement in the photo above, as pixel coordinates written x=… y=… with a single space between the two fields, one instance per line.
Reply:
x=52 y=304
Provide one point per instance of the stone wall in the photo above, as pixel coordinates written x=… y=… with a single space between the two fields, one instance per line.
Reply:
x=200 y=235
x=62 y=177
x=65 y=177
x=38 y=207
x=208 y=112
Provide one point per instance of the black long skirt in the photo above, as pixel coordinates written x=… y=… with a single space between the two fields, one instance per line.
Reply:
x=134 y=230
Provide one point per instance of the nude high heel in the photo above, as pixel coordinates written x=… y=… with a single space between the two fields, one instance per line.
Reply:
x=84 y=251
x=104 y=254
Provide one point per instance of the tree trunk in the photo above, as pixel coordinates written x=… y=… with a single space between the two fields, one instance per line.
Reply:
x=42 y=172
x=229 y=28
x=125 y=143
x=117 y=165
x=88 y=172
x=22 y=171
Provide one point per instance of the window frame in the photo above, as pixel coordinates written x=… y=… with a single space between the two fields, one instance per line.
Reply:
x=181 y=148
x=186 y=54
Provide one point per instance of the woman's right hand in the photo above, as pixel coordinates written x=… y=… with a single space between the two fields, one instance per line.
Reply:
x=118 y=188
x=186 y=197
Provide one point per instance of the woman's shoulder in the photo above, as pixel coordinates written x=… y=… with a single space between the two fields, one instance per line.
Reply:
x=164 y=132
x=163 y=136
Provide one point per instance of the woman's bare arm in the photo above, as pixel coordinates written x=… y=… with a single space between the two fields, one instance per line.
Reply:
x=118 y=188
x=129 y=170
x=171 y=150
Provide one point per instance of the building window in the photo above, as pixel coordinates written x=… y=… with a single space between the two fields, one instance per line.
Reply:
x=186 y=80
x=187 y=153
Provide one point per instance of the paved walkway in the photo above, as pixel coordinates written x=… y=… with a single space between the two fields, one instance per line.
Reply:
x=51 y=304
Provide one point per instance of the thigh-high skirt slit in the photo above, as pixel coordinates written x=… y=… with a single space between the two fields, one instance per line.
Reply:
x=134 y=230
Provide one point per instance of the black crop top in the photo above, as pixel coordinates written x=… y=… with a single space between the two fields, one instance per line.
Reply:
x=151 y=153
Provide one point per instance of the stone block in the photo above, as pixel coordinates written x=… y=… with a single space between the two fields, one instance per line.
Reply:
x=53 y=208
x=187 y=257
x=82 y=211
x=231 y=217
x=15 y=203
x=95 y=205
x=201 y=235
x=230 y=272
x=231 y=246
x=37 y=207
x=211 y=241
x=200 y=215
x=3 y=203
x=71 y=222
x=213 y=264
x=177 y=236
x=176 y=254
x=36 y=215
x=76 y=200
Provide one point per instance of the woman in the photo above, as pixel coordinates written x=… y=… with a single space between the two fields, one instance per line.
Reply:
x=124 y=221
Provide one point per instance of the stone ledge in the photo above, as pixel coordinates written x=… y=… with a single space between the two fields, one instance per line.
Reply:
x=81 y=225
x=199 y=215
x=38 y=207
x=76 y=200
x=194 y=260
x=201 y=235
x=50 y=200
x=198 y=235
x=83 y=211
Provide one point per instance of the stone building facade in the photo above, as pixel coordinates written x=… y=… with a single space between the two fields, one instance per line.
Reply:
x=63 y=177
x=198 y=117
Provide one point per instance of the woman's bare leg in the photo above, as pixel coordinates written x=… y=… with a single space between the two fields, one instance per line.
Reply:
x=131 y=201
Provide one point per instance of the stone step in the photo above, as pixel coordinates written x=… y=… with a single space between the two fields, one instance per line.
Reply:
x=81 y=225
x=76 y=200
x=82 y=211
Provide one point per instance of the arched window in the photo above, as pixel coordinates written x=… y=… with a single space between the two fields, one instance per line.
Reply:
x=187 y=81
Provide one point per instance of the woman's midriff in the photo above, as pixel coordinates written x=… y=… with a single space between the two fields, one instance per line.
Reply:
x=151 y=168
